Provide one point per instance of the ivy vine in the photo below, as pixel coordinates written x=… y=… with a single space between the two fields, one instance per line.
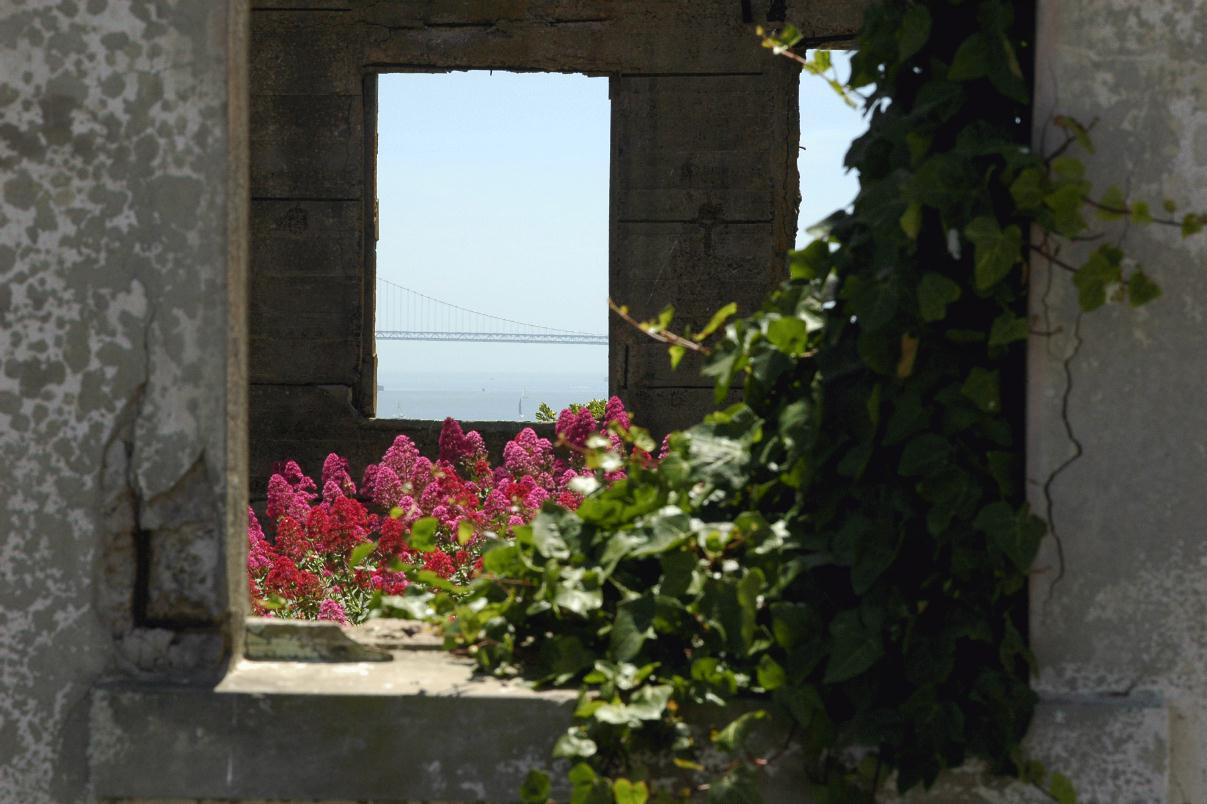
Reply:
x=833 y=571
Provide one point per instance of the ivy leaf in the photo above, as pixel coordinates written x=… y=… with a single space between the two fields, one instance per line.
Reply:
x=676 y=352
x=1027 y=189
x=503 y=559
x=735 y=787
x=924 y=454
x=876 y=549
x=631 y=628
x=770 y=673
x=855 y=647
x=983 y=387
x=911 y=219
x=1141 y=289
x=909 y=354
x=718 y=318
x=811 y=262
x=1112 y=205
x=589 y=789
x=574 y=743
x=1192 y=224
x=1062 y=789
x=1099 y=272
x=1079 y=132
x=788 y=334
x=935 y=292
x=423 y=534
x=627 y=792
x=971 y=59
x=734 y=735
x=914 y=31
x=1066 y=202
x=997 y=250
x=1008 y=328
x=649 y=702
x=535 y=788
x=1015 y=533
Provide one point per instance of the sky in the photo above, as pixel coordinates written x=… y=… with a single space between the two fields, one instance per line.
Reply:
x=493 y=194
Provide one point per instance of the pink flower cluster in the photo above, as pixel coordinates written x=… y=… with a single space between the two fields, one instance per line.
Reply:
x=303 y=569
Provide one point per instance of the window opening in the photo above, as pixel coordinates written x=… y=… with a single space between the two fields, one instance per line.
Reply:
x=828 y=126
x=492 y=252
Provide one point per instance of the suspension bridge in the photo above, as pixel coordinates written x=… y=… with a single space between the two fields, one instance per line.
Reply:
x=404 y=314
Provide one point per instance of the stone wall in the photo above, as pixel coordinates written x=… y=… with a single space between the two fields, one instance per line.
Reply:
x=122 y=411
x=1117 y=449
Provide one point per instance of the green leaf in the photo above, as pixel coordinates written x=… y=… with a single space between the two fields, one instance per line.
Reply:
x=734 y=735
x=736 y=787
x=535 y=789
x=911 y=219
x=1015 y=533
x=997 y=250
x=971 y=59
x=935 y=292
x=914 y=31
x=547 y=534
x=770 y=673
x=676 y=352
x=627 y=792
x=789 y=334
x=587 y=787
x=924 y=454
x=1114 y=202
x=1008 y=328
x=423 y=534
x=649 y=702
x=855 y=648
x=718 y=318
x=1066 y=202
x=876 y=549
x=360 y=553
x=983 y=387
x=1141 y=213
x=1027 y=189
x=1079 y=132
x=1141 y=289
x=631 y=628
x=504 y=560
x=1062 y=789
x=1102 y=270
x=1192 y=224
x=578 y=600
x=811 y=262
x=574 y=743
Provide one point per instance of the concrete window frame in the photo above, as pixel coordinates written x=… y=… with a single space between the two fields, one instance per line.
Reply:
x=703 y=186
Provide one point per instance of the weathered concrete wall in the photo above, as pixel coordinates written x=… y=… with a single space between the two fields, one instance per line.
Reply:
x=1117 y=449
x=121 y=391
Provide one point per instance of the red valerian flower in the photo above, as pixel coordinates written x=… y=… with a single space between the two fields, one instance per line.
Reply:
x=286 y=580
x=440 y=563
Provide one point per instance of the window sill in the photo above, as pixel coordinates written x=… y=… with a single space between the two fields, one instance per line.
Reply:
x=420 y=726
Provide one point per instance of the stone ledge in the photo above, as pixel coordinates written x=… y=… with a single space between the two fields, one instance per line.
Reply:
x=424 y=727
x=418 y=728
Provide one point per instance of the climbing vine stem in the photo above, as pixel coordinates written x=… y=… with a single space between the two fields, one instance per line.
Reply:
x=839 y=562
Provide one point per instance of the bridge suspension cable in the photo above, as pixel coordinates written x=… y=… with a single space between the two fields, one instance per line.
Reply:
x=404 y=314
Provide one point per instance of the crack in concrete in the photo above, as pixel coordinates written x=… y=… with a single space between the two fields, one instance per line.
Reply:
x=1066 y=421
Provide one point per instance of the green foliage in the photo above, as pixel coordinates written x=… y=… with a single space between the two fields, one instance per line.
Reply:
x=544 y=413
x=841 y=559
